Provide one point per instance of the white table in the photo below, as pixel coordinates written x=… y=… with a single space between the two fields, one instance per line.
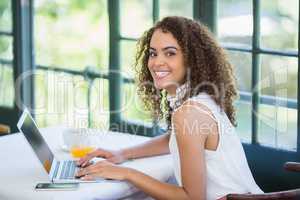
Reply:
x=20 y=169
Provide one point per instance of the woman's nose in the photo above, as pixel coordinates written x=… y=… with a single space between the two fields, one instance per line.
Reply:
x=159 y=60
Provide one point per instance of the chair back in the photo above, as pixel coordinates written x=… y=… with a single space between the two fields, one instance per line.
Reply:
x=282 y=195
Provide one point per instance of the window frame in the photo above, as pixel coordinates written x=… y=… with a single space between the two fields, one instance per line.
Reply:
x=23 y=60
x=206 y=12
x=203 y=10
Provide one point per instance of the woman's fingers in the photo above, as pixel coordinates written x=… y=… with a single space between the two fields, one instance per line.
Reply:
x=109 y=155
x=87 y=171
x=112 y=160
x=94 y=175
x=87 y=178
x=103 y=169
x=84 y=161
x=94 y=168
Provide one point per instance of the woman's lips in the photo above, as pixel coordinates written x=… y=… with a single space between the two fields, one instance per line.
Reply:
x=161 y=74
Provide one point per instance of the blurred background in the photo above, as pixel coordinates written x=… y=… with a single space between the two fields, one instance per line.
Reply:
x=76 y=47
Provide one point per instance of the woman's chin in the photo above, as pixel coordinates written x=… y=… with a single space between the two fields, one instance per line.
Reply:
x=160 y=86
x=164 y=86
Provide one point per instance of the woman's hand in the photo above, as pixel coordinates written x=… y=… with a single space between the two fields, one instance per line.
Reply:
x=103 y=169
x=115 y=157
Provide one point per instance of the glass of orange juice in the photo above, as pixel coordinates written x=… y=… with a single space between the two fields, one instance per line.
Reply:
x=78 y=142
x=81 y=151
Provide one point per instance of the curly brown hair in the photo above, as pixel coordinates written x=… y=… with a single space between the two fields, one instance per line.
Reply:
x=207 y=64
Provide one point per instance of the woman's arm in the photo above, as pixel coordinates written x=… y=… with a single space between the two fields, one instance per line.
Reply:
x=192 y=127
x=157 y=146
x=151 y=186
x=154 y=188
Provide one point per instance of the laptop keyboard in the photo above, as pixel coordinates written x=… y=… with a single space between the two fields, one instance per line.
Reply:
x=69 y=169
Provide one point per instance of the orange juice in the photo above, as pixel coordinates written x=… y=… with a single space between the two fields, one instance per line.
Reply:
x=78 y=152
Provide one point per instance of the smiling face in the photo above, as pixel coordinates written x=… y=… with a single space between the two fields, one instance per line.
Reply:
x=166 y=62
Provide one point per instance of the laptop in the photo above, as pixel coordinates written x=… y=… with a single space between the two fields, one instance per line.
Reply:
x=59 y=171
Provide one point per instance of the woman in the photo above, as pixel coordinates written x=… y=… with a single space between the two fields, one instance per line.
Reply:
x=185 y=77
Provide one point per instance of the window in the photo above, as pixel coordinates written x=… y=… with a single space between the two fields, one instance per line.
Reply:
x=6 y=55
x=71 y=48
x=265 y=60
x=244 y=28
x=261 y=38
x=175 y=7
x=135 y=18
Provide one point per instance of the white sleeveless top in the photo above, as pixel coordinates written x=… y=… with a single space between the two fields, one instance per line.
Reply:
x=227 y=170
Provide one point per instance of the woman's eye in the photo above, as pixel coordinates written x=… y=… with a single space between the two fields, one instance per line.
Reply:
x=152 y=54
x=170 y=53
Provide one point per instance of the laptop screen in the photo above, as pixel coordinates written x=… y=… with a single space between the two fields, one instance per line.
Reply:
x=36 y=140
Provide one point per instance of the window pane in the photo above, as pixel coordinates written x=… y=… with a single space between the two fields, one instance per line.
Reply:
x=242 y=65
x=61 y=99
x=5 y=15
x=136 y=17
x=100 y=105
x=72 y=34
x=243 y=118
x=235 y=21
x=132 y=107
x=279 y=24
x=6 y=47
x=6 y=86
x=176 y=7
x=41 y=98
x=128 y=50
x=279 y=76
x=277 y=127
x=278 y=124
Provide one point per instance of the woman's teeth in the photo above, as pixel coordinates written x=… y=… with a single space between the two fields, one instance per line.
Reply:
x=162 y=74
